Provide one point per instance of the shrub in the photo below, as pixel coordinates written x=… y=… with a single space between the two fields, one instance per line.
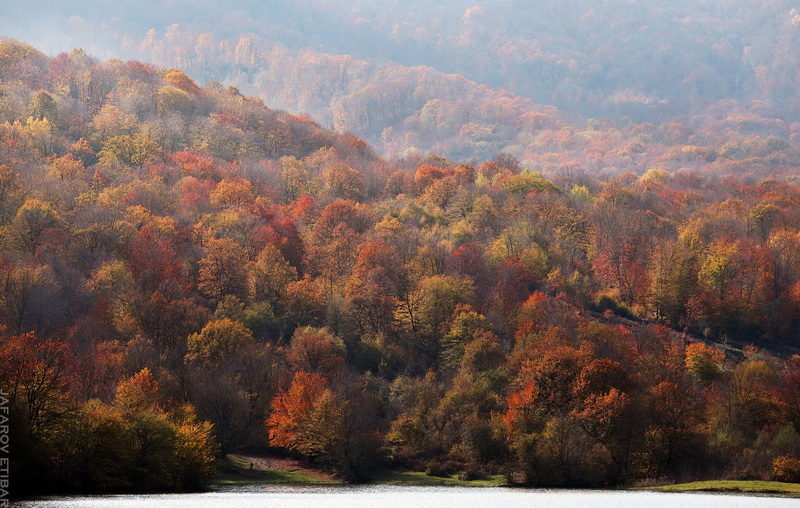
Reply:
x=786 y=469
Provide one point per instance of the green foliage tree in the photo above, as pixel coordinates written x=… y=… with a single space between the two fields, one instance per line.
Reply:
x=218 y=340
x=129 y=150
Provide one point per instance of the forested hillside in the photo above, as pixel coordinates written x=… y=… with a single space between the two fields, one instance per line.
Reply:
x=186 y=272
x=465 y=79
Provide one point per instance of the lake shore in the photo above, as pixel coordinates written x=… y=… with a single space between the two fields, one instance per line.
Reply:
x=372 y=496
x=236 y=470
x=734 y=486
x=240 y=469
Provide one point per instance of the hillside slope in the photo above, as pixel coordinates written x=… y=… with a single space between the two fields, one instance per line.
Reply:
x=185 y=273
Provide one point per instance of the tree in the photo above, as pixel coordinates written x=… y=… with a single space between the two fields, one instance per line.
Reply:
x=143 y=447
x=232 y=192
x=356 y=217
x=269 y=276
x=153 y=441
x=110 y=122
x=40 y=413
x=672 y=276
x=23 y=292
x=780 y=272
x=138 y=394
x=749 y=402
x=33 y=218
x=526 y=182
x=717 y=268
x=181 y=80
x=465 y=324
x=222 y=270
x=554 y=367
x=334 y=429
x=82 y=151
x=129 y=150
x=36 y=376
x=11 y=193
x=441 y=294
x=39 y=135
x=107 y=455
x=168 y=321
x=218 y=340
x=234 y=392
x=67 y=167
x=304 y=305
x=483 y=353
x=373 y=289
x=44 y=106
x=316 y=350
x=623 y=247
x=789 y=390
x=606 y=418
x=295 y=179
x=676 y=416
x=726 y=290
x=152 y=261
x=350 y=442
x=513 y=284
x=703 y=362
x=523 y=415
x=601 y=375
x=174 y=100
x=195 y=455
x=786 y=469
x=541 y=311
x=292 y=411
x=426 y=175
x=344 y=182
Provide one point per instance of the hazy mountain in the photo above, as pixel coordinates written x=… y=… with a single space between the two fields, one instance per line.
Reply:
x=645 y=60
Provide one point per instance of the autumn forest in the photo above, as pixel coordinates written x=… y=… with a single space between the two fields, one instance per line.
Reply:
x=483 y=285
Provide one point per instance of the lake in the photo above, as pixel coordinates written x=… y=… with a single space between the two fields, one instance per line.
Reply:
x=375 y=496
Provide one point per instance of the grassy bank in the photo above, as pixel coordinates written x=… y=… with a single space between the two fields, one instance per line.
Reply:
x=236 y=470
x=750 y=487
x=245 y=470
x=420 y=479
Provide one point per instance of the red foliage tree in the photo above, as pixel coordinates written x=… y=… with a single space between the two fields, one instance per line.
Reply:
x=153 y=261
x=292 y=410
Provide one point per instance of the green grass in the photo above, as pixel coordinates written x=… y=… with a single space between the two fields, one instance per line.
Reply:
x=234 y=461
x=267 y=478
x=734 y=486
x=421 y=479
x=236 y=471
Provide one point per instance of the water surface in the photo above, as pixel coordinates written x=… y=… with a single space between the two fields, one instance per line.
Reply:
x=378 y=496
